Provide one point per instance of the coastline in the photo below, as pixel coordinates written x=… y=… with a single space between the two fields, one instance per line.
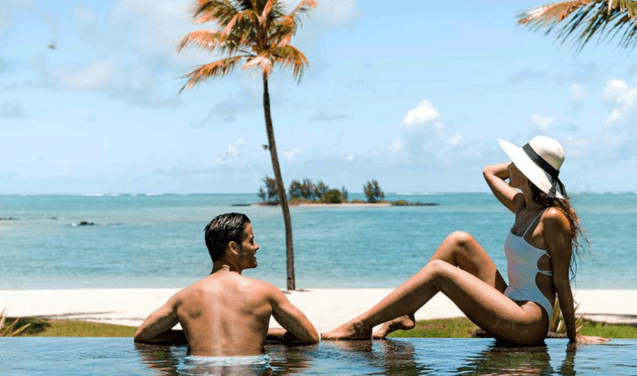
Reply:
x=325 y=308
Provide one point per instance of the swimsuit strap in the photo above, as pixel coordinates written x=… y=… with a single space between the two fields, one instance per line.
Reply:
x=531 y=224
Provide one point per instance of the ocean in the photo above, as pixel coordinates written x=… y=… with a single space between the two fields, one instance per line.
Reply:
x=157 y=240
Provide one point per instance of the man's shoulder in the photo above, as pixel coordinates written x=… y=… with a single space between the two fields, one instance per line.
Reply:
x=223 y=281
x=261 y=285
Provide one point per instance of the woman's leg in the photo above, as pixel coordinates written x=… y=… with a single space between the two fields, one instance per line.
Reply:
x=485 y=305
x=458 y=249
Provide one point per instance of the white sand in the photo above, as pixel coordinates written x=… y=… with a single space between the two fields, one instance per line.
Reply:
x=326 y=308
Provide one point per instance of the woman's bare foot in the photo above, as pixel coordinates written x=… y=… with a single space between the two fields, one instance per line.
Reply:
x=406 y=322
x=350 y=330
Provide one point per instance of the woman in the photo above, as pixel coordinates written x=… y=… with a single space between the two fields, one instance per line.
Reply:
x=539 y=250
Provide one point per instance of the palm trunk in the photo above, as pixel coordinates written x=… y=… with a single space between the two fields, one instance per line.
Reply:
x=283 y=201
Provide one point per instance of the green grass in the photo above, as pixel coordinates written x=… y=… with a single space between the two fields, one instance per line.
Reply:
x=462 y=328
x=68 y=328
x=593 y=328
x=439 y=328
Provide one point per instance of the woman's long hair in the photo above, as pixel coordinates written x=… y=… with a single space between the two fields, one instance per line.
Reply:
x=579 y=241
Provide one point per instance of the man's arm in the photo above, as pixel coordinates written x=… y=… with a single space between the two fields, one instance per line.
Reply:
x=156 y=328
x=292 y=319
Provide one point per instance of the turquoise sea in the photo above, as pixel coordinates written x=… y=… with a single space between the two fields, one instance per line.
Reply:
x=146 y=241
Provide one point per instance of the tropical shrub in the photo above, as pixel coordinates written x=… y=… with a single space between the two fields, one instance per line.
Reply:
x=10 y=330
x=269 y=193
x=333 y=196
x=344 y=194
x=373 y=191
x=557 y=320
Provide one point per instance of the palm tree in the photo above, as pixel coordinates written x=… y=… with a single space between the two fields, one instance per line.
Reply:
x=256 y=33
x=585 y=18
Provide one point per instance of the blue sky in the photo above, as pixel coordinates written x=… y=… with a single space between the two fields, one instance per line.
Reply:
x=414 y=95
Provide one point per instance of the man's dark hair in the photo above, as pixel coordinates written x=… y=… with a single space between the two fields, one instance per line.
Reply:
x=222 y=230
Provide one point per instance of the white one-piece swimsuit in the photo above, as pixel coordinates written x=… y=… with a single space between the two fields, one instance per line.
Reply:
x=522 y=270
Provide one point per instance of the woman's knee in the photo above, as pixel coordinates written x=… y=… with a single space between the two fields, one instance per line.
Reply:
x=436 y=268
x=460 y=239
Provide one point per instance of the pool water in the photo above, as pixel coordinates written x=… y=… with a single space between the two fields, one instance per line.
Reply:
x=120 y=356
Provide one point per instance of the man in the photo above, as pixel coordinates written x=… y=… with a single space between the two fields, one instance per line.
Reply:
x=227 y=314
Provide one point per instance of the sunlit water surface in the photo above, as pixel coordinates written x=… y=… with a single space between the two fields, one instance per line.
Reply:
x=119 y=356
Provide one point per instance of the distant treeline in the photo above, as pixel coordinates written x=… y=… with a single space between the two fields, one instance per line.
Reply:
x=306 y=191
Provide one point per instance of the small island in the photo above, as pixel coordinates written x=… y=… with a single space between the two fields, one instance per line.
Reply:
x=306 y=193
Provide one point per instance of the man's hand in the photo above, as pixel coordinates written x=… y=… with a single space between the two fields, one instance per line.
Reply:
x=280 y=335
x=158 y=322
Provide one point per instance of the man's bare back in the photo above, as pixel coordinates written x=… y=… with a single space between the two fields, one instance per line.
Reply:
x=227 y=314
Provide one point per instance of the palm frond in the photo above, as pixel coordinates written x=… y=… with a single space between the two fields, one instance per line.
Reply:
x=256 y=5
x=262 y=61
x=283 y=31
x=205 y=39
x=551 y=13
x=242 y=24
x=303 y=9
x=219 y=11
x=257 y=30
x=290 y=57
x=215 y=69
x=267 y=9
x=585 y=18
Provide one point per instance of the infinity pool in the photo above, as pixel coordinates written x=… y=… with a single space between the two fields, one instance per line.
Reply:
x=120 y=356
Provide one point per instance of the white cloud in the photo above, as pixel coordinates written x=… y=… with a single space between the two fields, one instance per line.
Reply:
x=330 y=12
x=541 y=122
x=578 y=92
x=94 y=76
x=132 y=83
x=85 y=23
x=423 y=115
x=338 y=11
x=623 y=98
x=456 y=140
x=7 y=9
x=290 y=155
x=11 y=110
x=160 y=23
x=426 y=140
x=231 y=155
x=397 y=146
x=614 y=90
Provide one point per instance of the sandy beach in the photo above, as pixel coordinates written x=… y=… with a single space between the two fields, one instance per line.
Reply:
x=326 y=308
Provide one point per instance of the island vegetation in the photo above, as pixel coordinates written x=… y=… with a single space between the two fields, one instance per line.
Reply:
x=306 y=191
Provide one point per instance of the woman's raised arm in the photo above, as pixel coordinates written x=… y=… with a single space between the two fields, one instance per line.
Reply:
x=495 y=176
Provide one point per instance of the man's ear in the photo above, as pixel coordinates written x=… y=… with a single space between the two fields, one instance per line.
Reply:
x=232 y=246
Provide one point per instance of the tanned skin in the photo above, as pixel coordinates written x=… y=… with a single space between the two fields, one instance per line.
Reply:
x=226 y=313
x=465 y=273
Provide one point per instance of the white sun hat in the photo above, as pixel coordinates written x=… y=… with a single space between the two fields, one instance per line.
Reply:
x=540 y=161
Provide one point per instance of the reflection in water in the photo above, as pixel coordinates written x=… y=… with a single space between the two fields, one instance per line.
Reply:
x=173 y=360
x=390 y=357
x=163 y=359
x=231 y=366
x=501 y=359
x=375 y=357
